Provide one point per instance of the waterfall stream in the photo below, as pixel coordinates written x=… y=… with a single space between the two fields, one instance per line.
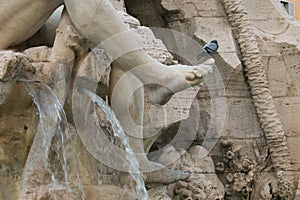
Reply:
x=127 y=157
x=53 y=123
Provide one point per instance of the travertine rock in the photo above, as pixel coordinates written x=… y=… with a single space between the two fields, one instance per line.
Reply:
x=12 y=65
x=158 y=193
x=202 y=184
x=102 y=192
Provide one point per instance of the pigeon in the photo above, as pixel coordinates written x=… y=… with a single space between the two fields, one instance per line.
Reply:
x=208 y=50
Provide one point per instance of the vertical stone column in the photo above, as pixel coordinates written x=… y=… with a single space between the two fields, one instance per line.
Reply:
x=256 y=76
x=263 y=102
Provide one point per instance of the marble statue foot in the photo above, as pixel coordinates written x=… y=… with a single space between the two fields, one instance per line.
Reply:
x=165 y=176
x=180 y=78
x=161 y=174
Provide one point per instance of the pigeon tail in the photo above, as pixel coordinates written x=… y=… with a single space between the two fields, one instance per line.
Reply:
x=203 y=56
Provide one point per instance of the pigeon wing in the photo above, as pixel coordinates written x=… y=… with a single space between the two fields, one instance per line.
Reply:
x=211 y=48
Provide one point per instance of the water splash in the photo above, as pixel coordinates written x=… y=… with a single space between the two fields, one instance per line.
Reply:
x=165 y=116
x=131 y=163
x=53 y=122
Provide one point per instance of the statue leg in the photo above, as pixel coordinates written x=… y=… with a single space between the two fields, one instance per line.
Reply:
x=127 y=101
x=101 y=24
x=19 y=20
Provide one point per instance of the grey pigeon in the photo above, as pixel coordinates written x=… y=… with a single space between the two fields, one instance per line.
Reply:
x=208 y=50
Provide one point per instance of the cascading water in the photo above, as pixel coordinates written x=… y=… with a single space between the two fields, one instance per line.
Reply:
x=53 y=122
x=94 y=145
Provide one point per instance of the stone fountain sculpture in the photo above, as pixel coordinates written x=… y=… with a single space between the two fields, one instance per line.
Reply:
x=256 y=158
x=87 y=24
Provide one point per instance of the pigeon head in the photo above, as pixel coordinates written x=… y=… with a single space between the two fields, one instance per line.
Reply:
x=214 y=41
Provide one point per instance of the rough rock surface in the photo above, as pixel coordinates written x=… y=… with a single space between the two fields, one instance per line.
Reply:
x=203 y=182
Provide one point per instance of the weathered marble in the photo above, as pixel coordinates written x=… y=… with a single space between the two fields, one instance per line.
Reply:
x=253 y=36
